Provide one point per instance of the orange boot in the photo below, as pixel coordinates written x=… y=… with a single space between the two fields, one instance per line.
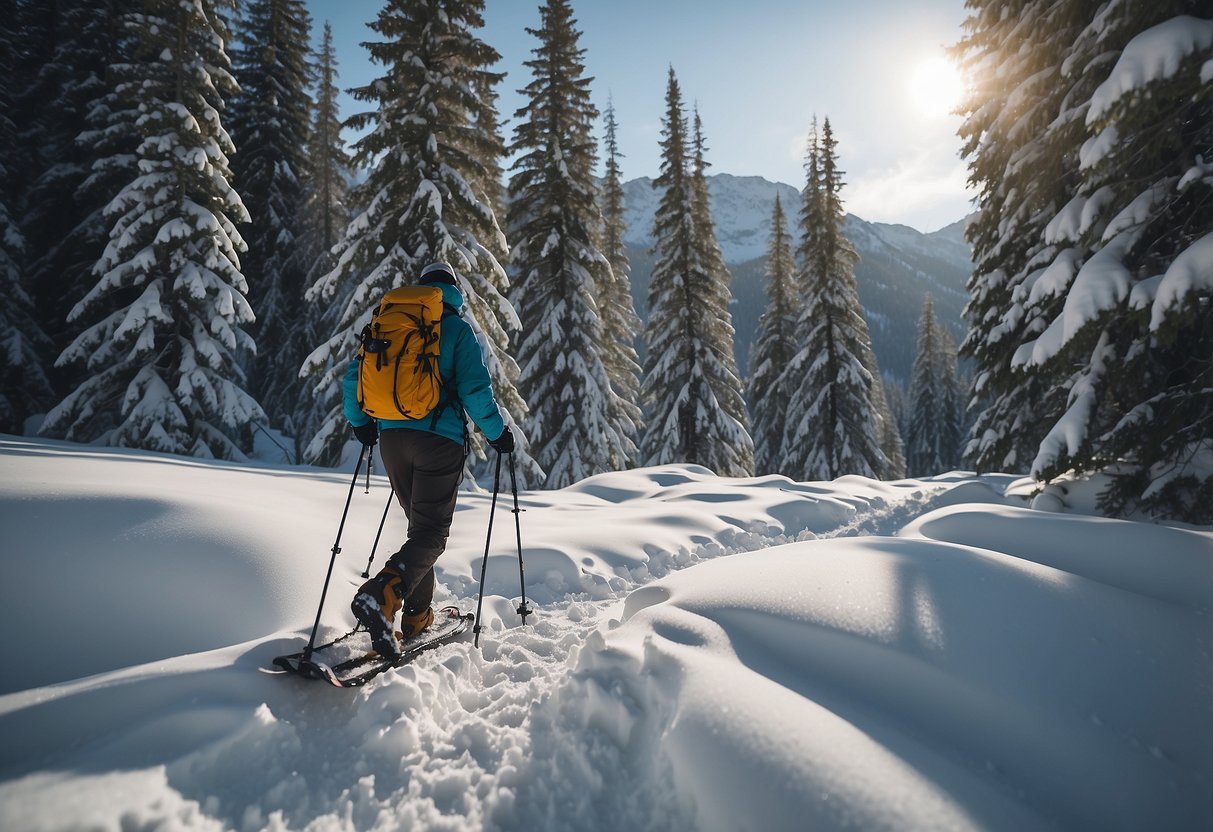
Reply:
x=375 y=606
x=412 y=625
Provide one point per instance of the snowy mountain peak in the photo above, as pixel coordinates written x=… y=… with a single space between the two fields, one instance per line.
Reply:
x=898 y=265
x=742 y=205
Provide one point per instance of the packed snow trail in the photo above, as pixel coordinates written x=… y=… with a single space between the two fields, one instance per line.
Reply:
x=454 y=740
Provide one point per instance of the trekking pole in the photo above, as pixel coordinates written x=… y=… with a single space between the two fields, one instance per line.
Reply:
x=370 y=464
x=484 y=565
x=311 y=642
x=366 y=573
x=523 y=609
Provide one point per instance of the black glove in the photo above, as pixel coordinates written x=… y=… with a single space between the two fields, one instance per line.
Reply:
x=504 y=444
x=367 y=434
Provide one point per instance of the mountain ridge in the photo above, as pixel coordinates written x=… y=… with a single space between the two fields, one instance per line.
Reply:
x=898 y=264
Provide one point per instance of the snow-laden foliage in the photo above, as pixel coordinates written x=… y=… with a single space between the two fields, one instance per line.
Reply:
x=773 y=349
x=165 y=357
x=888 y=430
x=324 y=218
x=932 y=443
x=60 y=110
x=560 y=272
x=720 y=357
x=269 y=124
x=428 y=156
x=1108 y=333
x=691 y=387
x=832 y=426
x=621 y=325
x=1023 y=117
x=23 y=344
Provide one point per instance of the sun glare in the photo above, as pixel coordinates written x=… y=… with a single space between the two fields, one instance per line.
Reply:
x=935 y=86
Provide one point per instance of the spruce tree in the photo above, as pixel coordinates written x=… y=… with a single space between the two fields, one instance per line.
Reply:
x=619 y=319
x=832 y=426
x=165 y=365
x=1023 y=125
x=23 y=344
x=721 y=362
x=426 y=153
x=554 y=220
x=324 y=219
x=62 y=219
x=691 y=388
x=887 y=432
x=933 y=432
x=326 y=188
x=38 y=29
x=1133 y=341
x=773 y=349
x=491 y=180
x=269 y=125
x=1111 y=321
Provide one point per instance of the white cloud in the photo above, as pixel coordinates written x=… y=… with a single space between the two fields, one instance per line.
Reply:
x=927 y=191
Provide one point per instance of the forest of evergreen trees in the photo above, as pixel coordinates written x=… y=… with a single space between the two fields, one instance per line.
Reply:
x=185 y=258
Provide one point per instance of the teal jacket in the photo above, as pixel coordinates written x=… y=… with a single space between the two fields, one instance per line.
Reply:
x=459 y=360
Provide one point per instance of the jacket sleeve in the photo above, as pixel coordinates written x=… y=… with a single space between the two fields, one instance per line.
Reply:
x=349 y=397
x=474 y=385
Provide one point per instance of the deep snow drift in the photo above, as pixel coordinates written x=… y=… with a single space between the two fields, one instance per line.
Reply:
x=707 y=654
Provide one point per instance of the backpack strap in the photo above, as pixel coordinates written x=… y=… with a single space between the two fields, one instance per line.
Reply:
x=448 y=386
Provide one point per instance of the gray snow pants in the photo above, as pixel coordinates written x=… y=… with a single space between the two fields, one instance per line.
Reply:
x=425 y=470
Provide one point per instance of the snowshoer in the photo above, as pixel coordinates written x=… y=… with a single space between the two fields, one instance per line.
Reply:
x=424 y=460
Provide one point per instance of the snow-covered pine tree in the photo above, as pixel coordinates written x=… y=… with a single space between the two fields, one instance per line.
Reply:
x=1133 y=342
x=324 y=219
x=933 y=434
x=1101 y=332
x=690 y=384
x=36 y=31
x=269 y=124
x=63 y=220
x=23 y=344
x=558 y=268
x=427 y=150
x=887 y=431
x=832 y=425
x=1023 y=125
x=716 y=345
x=166 y=364
x=773 y=349
x=899 y=406
x=326 y=188
x=952 y=392
x=491 y=182
x=619 y=319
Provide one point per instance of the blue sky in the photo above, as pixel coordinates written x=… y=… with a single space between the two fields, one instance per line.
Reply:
x=759 y=71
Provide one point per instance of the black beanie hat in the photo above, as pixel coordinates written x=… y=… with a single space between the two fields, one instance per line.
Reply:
x=438 y=273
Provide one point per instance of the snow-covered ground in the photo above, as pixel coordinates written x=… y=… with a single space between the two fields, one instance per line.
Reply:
x=706 y=654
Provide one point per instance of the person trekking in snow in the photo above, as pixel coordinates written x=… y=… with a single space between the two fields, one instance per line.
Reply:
x=424 y=460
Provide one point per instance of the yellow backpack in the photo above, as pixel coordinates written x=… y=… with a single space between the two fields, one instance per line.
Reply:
x=398 y=377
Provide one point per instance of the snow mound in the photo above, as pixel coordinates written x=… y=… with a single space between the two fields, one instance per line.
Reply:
x=910 y=683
